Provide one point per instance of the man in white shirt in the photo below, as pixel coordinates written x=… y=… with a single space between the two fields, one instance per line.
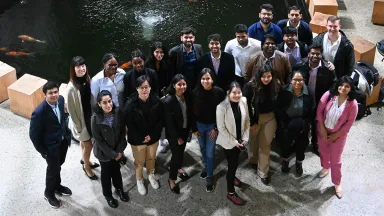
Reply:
x=242 y=47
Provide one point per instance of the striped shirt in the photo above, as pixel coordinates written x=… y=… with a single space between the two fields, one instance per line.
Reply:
x=334 y=114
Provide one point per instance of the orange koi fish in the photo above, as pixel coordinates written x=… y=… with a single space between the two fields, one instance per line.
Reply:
x=28 y=38
x=14 y=53
x=3 y=48
x=126 y=65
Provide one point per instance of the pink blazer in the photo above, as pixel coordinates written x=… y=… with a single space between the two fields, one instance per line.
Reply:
x=346 y=119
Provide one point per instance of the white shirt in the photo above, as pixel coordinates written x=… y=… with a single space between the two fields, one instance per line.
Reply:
x=329 y=49
x=216 y=63
x=312 y=77
x=242 y=54
x=99 y=83
x=334 y=114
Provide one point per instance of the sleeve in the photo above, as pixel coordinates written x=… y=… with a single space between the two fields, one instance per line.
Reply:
x=351 y=118
x=221 y=127
x=75 y=117
x=100 y=141
x=252 y=32
x=278 y=35
x=126 y=86
x=309 y=39
x=350 y=61
x=35 y=131
x=130 y=124
x=169 y=123
x=172 y=62
x=227 y=48
x=95 y=88
x=159 y=124
x=280 y=111
x=247 y=122
x=155 y=82
x=288 y=70
x=193 y=114
x=220 y=97
x=249 y=68
x=312 y=107
x=321 y=107
x=249 y=94
x=232 y=69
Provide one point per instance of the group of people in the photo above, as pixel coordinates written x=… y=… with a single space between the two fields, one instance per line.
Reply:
x=271 y=82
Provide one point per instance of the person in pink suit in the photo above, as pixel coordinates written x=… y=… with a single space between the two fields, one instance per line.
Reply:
x=335 y=115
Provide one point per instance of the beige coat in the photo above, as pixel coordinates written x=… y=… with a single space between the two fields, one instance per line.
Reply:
x=226 y=125
x=75 y=110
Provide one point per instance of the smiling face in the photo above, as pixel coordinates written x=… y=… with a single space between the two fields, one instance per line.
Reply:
x=187 y=39
x=159 y=54
x=344 y=89
x=138 y=64
x=206 y=81
x=265 y=16
x=110 y=66
x=235 y=94
x=333 y=28
x=80 y=70
x=214 y=46
x=180 y=87
x=290 y=39
x=314 y=56
x=269 y=46
x=297 y=81
x=106 y=104
x=266 y=78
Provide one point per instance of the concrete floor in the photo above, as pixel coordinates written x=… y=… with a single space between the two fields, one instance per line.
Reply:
x=23 y=170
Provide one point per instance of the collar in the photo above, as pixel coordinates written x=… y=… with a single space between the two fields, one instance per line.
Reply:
x=238 y=45
x=303 y=92
x=117 y=72
x=214 y=57
x=258 y=25
x=338 y=39
x=286 y=47
x=289 y=24
x=272 y=57
x=317 y=67
x=53 y=106
x=179 y=99
x=192 y=49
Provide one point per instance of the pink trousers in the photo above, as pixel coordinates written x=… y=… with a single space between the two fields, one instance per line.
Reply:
x=330 y=157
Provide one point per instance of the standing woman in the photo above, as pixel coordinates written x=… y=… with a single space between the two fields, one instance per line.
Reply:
x=144 y=120
x=109 y=132
x=233 y=125
x=205 y=99
x=159 y=62
x=178 y=111
x=336 y=112
x=261 y=93
x=79 y=100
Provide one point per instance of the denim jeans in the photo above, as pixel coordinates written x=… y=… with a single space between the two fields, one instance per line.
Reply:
x=207 y=146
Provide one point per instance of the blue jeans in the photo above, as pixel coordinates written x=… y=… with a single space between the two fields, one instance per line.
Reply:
x=207 y=146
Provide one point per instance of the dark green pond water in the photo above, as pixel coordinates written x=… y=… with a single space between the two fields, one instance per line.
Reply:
x=91 y=28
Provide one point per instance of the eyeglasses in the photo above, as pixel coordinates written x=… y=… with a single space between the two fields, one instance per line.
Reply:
x=112 y=65
x=298 y=80
x=144 y=88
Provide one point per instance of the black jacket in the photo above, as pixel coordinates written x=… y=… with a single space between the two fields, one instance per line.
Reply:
x=303 y=49
x=324 y=79
x=164 y=75
x=45 y=131
x=304 y=31
x=174 y=118
x=284 y=100
x=109 y=141
x=139 y=126
x=345 y=56
x=226 y=73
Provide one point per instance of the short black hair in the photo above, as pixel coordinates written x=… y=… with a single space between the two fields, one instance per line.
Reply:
x=266 y=36
x=298 y=71
x=49 y=85
x=289 y=30
x=188 y=30
x=108 y=56
x=344 y=79
x=294 y=7
x=267 y=7
x=141 y=79
x=138 y=54
x=214 y=37
x=315 y=46
x=241 y=28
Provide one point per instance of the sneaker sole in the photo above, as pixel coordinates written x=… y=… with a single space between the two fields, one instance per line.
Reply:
x=55 y=207
x=210 y=191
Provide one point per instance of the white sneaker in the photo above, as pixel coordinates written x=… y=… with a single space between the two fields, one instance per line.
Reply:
x=141 y=187
x=153 y=181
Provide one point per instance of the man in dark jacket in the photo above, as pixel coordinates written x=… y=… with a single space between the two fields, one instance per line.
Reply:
x=337 y=49
x=221 y=63
x=51 y=137
x=304 y=31
x=295 y=50
x=318 y=78
x=183 y=57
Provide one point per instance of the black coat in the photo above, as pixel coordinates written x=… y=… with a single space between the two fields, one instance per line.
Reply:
x=139 y=126
x=324 y=80
x=174 y=118
x=164 y=75
x=303 y=49
x=45 y=131
x=304 y=32
x=226 y=73
x=109 y=141
x=345 y=56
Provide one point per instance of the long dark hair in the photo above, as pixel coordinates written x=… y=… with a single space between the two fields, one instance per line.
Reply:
x=258 y=85
x=171 y=89
x=151 y=61
x=78 y=81
x=344 y=79
x=98 y=109
x=201 y=74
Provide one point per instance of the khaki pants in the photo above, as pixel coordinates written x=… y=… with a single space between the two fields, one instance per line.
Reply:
x=144 y=154
x=260 y=143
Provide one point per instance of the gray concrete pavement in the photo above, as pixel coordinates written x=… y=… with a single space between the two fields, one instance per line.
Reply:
x=22 y=170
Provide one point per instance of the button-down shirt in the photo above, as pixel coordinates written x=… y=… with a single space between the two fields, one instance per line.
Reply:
x=183 y=106
x=216 y=63
x=256 y=31
x=313 y=76
x=100 y=82
x=329 y=49
x=334 y=114
x=296 y=108
x=57 y=112
x=293 y=54
x=242 y=54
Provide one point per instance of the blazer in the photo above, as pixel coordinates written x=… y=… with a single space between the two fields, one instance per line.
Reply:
x=109 y=141
x=226 y=72
x=346 y=119
x=304 y=31
x=173 y=118
x=176 y=57
x=302 y=46
x=226 y=124
x=46 y=132
x=75 y=109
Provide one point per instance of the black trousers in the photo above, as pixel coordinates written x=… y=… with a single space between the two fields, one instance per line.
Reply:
x=110 y=170
x=54 y=162
x=314 y=134
x=296 y=130
x=177 y=159
x=233 y=162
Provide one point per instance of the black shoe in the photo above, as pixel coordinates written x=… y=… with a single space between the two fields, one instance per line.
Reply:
x=93 y=166
x=299 y=169
x=209 y=187
x=112 y=202
x=285 y=166
x=203 y=175
x=265 y=181
x=183 y=175
x=53 y=201
x=175 y=188
x=63 y=191
x=123 y=195
x=94 y=177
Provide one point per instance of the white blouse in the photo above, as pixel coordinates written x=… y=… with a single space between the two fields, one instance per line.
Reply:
x=334 y=114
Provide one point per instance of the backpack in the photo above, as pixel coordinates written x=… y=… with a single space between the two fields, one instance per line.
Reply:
x=361 y=99
x=369 y=72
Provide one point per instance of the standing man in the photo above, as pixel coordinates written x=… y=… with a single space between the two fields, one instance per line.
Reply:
x=304 y=31
x=295 y=50
x=221 y=63
x=338 y=51
x=318 y=78
x=265 y=25
x=183 y=57
x=242 y=48
x=51 y=137
x=281 y=68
